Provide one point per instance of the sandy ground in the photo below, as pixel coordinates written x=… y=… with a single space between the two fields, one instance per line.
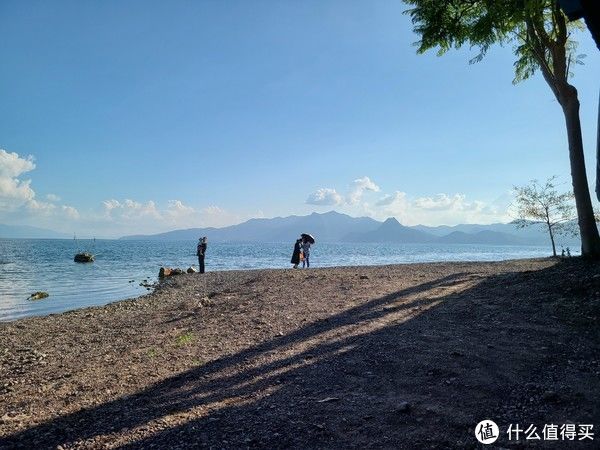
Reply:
x=406 y=356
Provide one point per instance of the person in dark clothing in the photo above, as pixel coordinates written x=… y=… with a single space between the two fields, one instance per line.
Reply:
x=296 y=254
x=201 y=252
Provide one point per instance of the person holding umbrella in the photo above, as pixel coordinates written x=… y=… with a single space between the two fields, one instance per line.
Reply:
x=307 y=240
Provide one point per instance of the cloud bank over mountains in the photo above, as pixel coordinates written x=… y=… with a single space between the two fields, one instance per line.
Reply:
x=365 y=197
x=21 y=204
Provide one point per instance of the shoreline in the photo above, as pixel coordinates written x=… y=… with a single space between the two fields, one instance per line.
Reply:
x=352 y=356
x=151 y=287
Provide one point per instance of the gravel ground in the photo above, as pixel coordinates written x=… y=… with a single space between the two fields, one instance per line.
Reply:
x=405 y=356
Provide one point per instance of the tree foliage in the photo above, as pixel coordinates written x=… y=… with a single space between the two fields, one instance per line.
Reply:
x=537 y=29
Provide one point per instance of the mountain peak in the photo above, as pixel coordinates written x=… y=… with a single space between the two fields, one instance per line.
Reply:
x=391 y=221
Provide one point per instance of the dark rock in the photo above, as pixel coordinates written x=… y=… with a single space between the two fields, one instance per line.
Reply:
x=403 y=407
x=84 y=257
x=164 y=272
x=168 y=272
x=39 y=295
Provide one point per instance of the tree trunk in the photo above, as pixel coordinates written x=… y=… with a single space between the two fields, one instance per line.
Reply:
x=552 y=239
x=590 y=240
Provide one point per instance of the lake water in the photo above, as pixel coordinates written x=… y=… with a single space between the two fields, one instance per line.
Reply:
x=30 y=265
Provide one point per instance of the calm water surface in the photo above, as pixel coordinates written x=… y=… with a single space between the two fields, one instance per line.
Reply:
x=29 y=265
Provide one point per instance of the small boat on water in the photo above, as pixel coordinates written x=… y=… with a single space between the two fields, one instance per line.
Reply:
x=84 y=257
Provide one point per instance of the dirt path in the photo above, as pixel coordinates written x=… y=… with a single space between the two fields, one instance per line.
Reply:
x=409 y=356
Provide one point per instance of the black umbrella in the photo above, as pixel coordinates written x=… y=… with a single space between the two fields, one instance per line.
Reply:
x=308 y=237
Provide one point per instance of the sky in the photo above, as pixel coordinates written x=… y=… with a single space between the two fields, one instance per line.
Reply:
x=145 y=116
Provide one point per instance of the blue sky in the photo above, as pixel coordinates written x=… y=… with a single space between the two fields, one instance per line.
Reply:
x=145 y=116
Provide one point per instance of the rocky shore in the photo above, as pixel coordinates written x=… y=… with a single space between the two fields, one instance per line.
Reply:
x=406 y=356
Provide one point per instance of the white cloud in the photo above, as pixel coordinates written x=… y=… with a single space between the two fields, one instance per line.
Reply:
x=109 y=205
x=177 y=208
x=18 y=200
x=359 y=186
x=42 y=208
x=215 y=216
x=12 y=165
x=213 y=210
x=126 y=216
x=118 y=217
x=441 y=209
x=13 y=191
x=330 y=197
x=130 y=209
x=324 y=196
x=443 y=202
x=390 y=199
x=177 y=213
x=136 y=209
x=70 y=212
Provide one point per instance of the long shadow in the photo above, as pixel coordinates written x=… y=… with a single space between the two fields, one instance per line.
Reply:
x=347 y=390
x=99 y=420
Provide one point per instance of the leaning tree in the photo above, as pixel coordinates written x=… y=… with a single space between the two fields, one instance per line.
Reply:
x=540 y=33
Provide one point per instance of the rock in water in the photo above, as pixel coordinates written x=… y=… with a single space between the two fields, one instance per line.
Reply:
x=38 y=295
x=168 y=272
x=84 y=257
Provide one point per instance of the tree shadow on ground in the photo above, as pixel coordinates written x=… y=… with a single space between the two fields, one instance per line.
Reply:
x=415 y=368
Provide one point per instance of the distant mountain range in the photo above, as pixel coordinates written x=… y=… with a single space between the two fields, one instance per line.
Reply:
x=328 y=227
x=27 y=232
x=337 y=227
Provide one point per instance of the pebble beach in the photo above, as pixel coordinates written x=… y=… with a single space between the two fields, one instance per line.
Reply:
x=404 y=356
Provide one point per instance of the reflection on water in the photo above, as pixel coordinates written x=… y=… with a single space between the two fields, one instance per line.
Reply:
x=29 y=265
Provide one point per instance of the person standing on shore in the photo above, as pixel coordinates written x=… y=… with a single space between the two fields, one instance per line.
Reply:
x=306 y=252
x=201 y=252
x=296 y=254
